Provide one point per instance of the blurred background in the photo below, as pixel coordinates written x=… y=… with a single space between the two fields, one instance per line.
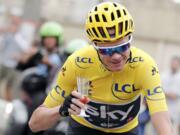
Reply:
x=157 y=31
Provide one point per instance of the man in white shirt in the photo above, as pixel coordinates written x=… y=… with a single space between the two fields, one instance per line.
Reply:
x=171 y=85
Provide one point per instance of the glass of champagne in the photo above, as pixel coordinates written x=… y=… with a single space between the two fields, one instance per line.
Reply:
x=83 y=89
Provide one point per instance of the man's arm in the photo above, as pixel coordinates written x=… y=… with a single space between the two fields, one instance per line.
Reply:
x=155 y=98
x=171 y=96
x=162 y=124
x=44 y=118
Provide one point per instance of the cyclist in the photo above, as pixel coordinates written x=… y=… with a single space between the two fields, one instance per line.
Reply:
x=119 y=76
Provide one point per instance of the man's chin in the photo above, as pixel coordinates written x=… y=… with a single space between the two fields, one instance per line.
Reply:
x=115 y=69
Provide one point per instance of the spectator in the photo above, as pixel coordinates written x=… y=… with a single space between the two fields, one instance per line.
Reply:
x=32 y=94
x=46 y=59
x=171 y=85
x=11 y=50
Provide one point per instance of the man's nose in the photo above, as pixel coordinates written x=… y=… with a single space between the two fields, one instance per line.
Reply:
x=116 y=55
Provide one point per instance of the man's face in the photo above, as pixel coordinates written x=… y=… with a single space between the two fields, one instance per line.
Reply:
x=50 y=42
x=115 y=61
x=175 y=65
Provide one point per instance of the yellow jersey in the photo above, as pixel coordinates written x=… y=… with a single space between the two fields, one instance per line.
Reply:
x=115 y=97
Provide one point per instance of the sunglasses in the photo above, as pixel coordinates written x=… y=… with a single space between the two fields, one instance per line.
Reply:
x=115 y=49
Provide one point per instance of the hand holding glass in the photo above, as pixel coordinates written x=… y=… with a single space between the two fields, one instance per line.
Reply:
x=83 y=88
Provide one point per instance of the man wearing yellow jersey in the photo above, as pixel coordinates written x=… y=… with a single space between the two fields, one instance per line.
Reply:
x=119 y=77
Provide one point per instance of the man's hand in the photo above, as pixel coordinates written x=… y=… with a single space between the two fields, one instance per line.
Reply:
x=72 y=104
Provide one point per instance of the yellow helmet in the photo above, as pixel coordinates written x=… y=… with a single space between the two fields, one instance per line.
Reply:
x=108 y=21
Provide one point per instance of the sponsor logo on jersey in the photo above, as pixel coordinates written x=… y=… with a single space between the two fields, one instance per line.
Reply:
x=63 y=70
x=120 y=91
x=135 y=59
x=154 y=71
x=112 y=115
x=155 y=94
x=83 y=62
x=90 y=91
x=60 y=91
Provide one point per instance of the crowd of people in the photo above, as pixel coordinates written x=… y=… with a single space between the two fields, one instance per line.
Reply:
x=41 y=76
x=28 y=69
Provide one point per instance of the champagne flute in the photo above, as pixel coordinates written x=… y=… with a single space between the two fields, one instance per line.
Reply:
x=83 y=88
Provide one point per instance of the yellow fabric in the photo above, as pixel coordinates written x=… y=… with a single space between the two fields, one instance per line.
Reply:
x=111 y=89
